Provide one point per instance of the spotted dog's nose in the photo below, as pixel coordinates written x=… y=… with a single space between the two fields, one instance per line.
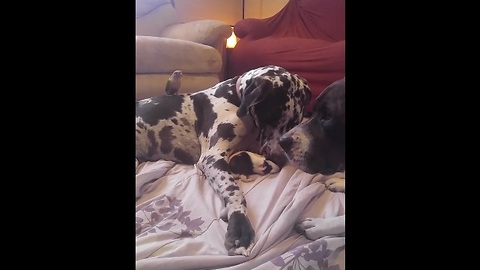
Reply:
x=286 y=143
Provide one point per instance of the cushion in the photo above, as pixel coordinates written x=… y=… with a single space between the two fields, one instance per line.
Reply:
x=153 y=22
x=145 y=6
x=207 y=32
x=164 y=55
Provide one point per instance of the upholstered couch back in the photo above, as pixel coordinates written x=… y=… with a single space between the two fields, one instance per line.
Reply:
x=153 y=16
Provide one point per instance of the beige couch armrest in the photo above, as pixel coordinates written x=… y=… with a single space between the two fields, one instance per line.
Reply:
x=207 y=32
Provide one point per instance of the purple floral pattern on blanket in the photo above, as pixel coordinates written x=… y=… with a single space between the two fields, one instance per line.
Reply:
x=166 y=214
x=315 y=255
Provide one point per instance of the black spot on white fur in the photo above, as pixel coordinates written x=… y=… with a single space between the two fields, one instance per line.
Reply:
x=221 y=165
x=228 y=91
x=241 y=164
x=166 y=138
x=158 y=108
x=224 y=131
x=184 y=156
x=205 y=115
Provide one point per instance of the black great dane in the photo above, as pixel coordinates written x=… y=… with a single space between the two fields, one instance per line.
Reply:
x=318 y=146
x=230 y=128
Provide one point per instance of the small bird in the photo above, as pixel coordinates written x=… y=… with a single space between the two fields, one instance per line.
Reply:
x=174 y=82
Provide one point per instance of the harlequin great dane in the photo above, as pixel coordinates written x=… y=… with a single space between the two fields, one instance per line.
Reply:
x=223 y=130
x=318 y=146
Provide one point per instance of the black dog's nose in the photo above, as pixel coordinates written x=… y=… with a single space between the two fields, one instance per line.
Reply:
x=286 y=143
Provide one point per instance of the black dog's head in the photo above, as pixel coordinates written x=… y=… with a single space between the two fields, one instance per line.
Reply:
x=318 y=145
x=273 y=100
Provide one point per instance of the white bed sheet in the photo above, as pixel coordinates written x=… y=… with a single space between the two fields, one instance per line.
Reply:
x=178 y=223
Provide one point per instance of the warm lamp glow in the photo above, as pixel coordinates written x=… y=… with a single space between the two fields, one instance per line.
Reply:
x=232 y=40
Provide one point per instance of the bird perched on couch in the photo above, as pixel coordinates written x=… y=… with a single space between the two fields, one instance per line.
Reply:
x=174 y=82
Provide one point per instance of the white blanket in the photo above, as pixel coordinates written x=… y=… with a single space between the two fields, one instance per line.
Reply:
x=178 y=223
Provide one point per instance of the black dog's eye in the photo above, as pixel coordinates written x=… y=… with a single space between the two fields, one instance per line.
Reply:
x=325 y=114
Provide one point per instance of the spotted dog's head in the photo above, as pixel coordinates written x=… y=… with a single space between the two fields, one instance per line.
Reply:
x=318 y=145
x=274 y=100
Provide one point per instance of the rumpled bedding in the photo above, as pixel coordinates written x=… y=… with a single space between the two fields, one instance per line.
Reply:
x=178 y=223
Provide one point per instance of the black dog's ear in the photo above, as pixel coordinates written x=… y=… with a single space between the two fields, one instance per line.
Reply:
x=254 y=95
x=336 y=84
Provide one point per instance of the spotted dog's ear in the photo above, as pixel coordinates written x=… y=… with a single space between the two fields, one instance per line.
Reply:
x=254 y=95
x=302 y=83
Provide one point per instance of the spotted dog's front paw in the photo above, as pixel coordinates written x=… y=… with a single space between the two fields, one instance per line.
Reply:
x=336 y=184
x=240 y=235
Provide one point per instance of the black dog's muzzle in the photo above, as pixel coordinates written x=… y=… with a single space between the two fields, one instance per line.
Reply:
x=286 y=143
